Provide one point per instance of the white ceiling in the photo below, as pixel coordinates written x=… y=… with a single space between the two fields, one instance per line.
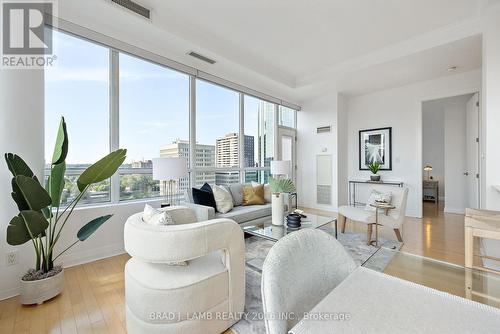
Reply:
x=425 y=65
x=303 y=46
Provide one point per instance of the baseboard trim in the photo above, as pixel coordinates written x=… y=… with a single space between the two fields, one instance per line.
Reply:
x=9 y=293
x=75 y=259
x=99 y=253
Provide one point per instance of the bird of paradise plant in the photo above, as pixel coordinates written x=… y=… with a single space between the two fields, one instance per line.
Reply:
x=42 y=217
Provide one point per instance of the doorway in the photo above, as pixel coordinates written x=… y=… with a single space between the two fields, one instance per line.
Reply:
x=450 y=154
x=287 y=140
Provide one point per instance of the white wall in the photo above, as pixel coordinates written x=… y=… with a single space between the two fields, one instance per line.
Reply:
x=401 y=109
x=433 y=143
x=491 y=104
x=322 y=112
x=342 y=144
x=22 y=132
x=491 y=121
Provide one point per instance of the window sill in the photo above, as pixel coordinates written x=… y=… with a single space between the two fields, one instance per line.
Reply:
x=119 y=204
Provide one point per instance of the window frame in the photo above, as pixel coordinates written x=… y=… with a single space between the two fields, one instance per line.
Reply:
x=116 y=47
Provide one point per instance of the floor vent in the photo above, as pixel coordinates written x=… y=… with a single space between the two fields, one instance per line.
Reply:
x=134 y=7
x=323 y=129
x=202 y=57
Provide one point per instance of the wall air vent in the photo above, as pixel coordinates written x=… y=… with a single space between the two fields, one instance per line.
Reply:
x=201 y=57
x=323 y=129
x=134 y=7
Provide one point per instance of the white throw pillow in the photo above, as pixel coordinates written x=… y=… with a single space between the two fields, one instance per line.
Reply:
x=156 y=217
x=223 y=199
x=377 y=196
x=267 y=190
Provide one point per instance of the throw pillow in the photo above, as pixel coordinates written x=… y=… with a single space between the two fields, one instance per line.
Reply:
x=267 y=191
x=377 y=196
x=156 y=217
x=204 y=196
x=223 y=199
x=253 y=195
x=236 y=193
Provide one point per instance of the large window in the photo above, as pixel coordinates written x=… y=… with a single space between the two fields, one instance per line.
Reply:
x=259 y=137
x=78 y=88
x=217 y=131
x=154 y=122
x=286 y=117
x=111 y=99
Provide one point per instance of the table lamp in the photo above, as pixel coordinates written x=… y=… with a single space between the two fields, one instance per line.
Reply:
x=281 y=168
x=428 y=169
x=169 y=170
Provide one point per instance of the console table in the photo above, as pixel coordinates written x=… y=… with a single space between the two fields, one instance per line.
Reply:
x=353 y=183
x=430 y=190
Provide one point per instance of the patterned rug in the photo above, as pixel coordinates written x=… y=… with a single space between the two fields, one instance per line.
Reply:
x=256 y=252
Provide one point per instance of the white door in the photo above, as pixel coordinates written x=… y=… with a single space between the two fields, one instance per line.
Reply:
x=472 y=147
x=286 y=146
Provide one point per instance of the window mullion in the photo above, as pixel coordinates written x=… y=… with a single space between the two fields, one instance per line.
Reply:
x=114 y=110
x=241 y=138
x=192 y=130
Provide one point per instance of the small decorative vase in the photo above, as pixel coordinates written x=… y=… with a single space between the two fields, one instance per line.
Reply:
x=278 y=209
x=375 y=177
x=36 y=292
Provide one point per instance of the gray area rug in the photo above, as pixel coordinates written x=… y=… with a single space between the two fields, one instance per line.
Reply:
x=256 y=252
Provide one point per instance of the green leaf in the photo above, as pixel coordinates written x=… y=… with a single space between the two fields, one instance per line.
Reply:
x=56 y=183
x=281 y=185
x=17 y=231
x=61 y=147
x=92 y=226
x=31 y=192
x=102 y=169
x=18 y=197
x=17 y=166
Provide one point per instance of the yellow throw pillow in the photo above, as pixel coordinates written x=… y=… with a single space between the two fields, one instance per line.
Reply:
x=253 y=195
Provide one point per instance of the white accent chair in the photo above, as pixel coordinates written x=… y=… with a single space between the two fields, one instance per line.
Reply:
x=393 y=219
x=299 y=271
x=164 y=298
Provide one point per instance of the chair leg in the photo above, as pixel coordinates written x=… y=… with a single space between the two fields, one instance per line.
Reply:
x=342 y=220
x=369 y=230
x=398 y=234
x=469 y=247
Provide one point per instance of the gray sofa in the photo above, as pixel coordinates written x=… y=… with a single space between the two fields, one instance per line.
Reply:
x=243 y=215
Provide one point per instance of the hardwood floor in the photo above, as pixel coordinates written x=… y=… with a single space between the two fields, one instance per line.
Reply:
x=93 y=298
x=438 y=235
x=92 y=302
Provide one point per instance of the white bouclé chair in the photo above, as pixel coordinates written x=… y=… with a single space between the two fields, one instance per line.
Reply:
x=299 y=271
x=165 y=298
x=393 y=219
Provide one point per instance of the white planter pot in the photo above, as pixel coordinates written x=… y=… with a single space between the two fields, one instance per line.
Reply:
x=278 y=209
x=36 y=292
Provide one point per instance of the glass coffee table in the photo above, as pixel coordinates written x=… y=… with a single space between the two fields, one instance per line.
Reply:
x=478 y=285
x=272 y=232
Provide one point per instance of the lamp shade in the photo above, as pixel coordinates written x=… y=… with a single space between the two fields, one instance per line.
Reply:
x=165 y=169
x=281 y=167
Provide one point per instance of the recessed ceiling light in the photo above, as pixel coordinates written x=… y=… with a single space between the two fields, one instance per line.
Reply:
x=452 y=68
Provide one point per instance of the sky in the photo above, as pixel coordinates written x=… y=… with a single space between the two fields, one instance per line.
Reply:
x=154 y=104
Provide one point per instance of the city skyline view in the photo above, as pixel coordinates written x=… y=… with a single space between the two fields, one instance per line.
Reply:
x=153 y=105
x=152 y=120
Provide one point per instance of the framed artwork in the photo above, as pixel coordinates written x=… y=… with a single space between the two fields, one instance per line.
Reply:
x=375 y=145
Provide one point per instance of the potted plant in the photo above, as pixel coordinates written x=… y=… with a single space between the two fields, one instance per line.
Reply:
x=374 y=167
x=278 y=188
x=42 y=218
